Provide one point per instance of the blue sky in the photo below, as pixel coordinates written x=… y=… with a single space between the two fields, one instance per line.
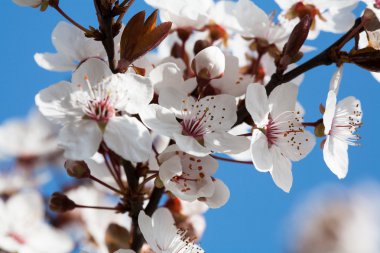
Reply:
x=254 y=220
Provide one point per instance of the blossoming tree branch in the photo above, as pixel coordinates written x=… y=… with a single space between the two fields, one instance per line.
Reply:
x=151 y=108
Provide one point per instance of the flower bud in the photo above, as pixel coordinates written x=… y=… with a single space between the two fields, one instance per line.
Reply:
x=28 y=3
x=59 y=202
x=117 y=237
x=77 y=169
x=209 y=63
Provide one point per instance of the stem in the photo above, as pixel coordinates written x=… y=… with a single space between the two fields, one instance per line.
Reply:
x=146 y=180
x=327 y=57
x=313 y=124
x=230 y=160
x=106 y=185
x=60 y=11
x=106 y=22
x=155 y=198
x=97 y=207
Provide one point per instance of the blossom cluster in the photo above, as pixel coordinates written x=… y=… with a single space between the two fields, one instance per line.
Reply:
x=136 y=124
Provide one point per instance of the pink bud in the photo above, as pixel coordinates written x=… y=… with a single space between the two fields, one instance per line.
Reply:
x=209 y=63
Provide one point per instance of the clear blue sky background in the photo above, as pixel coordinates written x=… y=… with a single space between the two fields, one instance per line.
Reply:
x=254 y=220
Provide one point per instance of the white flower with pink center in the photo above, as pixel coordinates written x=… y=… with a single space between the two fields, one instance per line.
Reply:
x=199 y=127
x=163 y=236
x=23 y=228
x=97 y=106
x=191 y=177
x=341 y=121
x=278 y=136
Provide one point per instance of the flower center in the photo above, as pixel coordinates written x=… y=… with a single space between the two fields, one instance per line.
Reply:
x=100 y=110
x=17 y=238
x=282 y=126
x=195 y=125
x=300 y=10
x=344 y=126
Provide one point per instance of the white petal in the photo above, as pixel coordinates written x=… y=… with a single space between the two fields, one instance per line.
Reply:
x=257 y=103
x=336 y=79
x=94 y=70
x=163 y=227
x=170 y=168
x=220 y=197
x=175 y=100
x=209 y=63
x=190 y=145
x=282 y=170
x=336 y=156
x=330 y=109
x=55 y=62
x=129 y=138
x=160 y=120
x=222 y=142
x=54 y=103
x=297 y=146
x=170 y=75
x=261 y=156
x=146 y=227
x=80 y=140
x=283 y=98
x=220 y=112
x=71 y=42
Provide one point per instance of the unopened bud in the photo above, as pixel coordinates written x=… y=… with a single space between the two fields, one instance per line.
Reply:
x=117 y=237
x=367 y=58
x=59 y=202
x=296 y=39
x=209 y=63
x=77 y=169
x=200 y=45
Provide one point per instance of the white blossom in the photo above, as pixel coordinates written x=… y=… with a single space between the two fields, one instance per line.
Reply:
x=24 y=230
x=95 y=107
x=341 y=120
x=278 y=136
x=32 y=137
x=202 y=126
x=162 y=235
x=191 y=177
x=209 y=63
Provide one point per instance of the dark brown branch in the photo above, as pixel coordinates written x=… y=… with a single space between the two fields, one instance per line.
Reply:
x=106 y=21
x=327 y=57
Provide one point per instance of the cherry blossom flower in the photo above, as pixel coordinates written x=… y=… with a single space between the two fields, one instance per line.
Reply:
x=328 y=15
x=190 y=177
x=202 y=126
x=28 y=3
x=23 y=228
x=341 y=120
x=96 y=107
x=73 y=48
x=163 y=236
x=28 y=138
x=255 y=23
x=278 y=136
x=185 y=13
x=345 y=220
x=209 y=63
